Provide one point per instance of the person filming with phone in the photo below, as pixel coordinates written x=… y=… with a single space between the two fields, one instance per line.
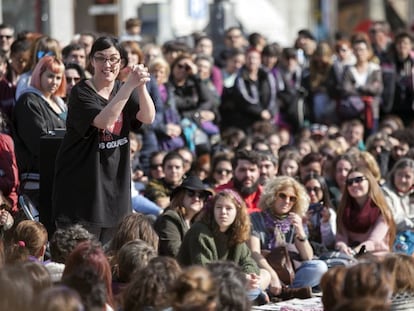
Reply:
x=283 y=204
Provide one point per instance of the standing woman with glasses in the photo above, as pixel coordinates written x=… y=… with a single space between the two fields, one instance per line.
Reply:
x=364 y=219
x=93 y=173
x=283 y=205
x=187 y=200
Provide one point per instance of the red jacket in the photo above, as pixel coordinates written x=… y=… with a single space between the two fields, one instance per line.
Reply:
x=251 y=200
x=9 y=175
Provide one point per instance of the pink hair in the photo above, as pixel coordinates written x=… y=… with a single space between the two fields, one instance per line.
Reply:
x=54 y=65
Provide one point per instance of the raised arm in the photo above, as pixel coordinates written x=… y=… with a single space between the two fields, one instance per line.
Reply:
x=136 y=79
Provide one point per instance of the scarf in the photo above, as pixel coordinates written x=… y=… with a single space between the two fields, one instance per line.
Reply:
x=279 y=227
x=360 y=220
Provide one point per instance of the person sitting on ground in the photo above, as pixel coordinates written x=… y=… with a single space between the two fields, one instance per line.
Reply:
x=187 y=200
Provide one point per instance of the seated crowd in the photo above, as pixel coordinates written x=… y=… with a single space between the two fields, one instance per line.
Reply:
x=254 y=153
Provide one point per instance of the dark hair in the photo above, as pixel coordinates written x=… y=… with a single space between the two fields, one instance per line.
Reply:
x=149 y=287
x=133 y=256
x=132 y=227
x=306 y=33
x=402 y=34
x=106 y=42
x=288 y=53
x=272 y=49
x=231 y=284
x=194 y=290
x=248 y=155
x=175 y=46
x=90 y=254
x=71 y=47
x=171 y=156
x=20 y=45
x=90 y=287
x=64 y=241
x=326 y=197
x=78 y=68
x=254 y=38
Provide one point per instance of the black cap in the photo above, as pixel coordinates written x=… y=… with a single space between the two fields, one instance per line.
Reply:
x=306 y=34
x=194 y=183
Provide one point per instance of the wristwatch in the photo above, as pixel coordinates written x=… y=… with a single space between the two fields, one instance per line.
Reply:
x=302 y=239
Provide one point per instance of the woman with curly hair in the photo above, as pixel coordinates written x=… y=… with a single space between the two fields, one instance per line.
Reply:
x=150 y=287
x=221 y=234
x=195 y=290
x=364 y=219
x=283 y=204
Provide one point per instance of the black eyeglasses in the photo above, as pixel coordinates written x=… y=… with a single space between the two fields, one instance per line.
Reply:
x=72 y=79
x=200 y=194
x=222 y=171
x=284 y=196
x=112 y=60
x=183 y=66
x=314 y=189
x=358 y=180
x=6 y=36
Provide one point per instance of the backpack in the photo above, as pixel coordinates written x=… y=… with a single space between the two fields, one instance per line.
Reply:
x=404 y=242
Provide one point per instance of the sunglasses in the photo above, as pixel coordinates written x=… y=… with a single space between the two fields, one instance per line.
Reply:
x=72 y=79
x=201 y=195
x=358 y=180
x=284 y=196
x=314 y=189
x=222 y=171
x=183 y=66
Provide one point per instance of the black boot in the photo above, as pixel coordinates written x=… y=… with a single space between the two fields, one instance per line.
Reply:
x=290 y=293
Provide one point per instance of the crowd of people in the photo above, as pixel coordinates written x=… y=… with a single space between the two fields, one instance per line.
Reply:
x=183 y=167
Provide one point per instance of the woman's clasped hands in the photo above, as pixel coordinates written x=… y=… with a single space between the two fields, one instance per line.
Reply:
x=139 y=75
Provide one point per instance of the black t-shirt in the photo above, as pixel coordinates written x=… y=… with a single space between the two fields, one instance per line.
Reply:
x=92 y=179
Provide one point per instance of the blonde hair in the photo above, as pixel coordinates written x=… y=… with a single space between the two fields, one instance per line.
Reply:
x=280 y=183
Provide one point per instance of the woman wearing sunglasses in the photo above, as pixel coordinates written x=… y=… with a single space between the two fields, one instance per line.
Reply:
x=283 y=204
x=221 y=169
x=364 y=219
x=321 y=217
x=187 y=200
x=221 y=234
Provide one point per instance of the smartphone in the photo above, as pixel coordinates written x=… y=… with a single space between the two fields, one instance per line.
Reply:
x=316 y=207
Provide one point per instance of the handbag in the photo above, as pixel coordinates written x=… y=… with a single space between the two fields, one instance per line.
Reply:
x=279 y=259
x=351 y=107
x=404 y=242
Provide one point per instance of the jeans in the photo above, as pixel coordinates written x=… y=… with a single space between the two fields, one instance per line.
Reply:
x=309 y=273
x=145 y=206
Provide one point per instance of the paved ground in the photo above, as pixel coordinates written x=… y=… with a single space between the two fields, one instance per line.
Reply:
x=311 y=304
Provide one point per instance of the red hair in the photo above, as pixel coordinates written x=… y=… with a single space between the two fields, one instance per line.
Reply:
x=54 y=65
x=90 y=254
